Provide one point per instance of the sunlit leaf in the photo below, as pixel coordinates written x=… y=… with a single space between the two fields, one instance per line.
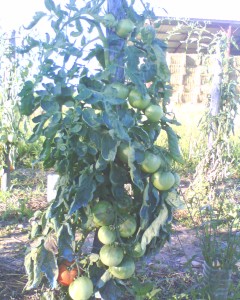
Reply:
x=38 y=16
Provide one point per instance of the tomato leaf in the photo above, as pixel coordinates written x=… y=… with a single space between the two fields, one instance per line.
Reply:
x=109 y=147
x=90 y=118
x=37 y=131
x=50 y=5
x=173 y=145
x=38 y=16
x=162 y=67
x=135 y=171
x=66 y=243
x=41 y=262
x=84 y=192
x=172 y=197
x=140 y=134
x=153 y=230
x=101 y=163
x=110 y=291
x=118 y=175
x=150 y=202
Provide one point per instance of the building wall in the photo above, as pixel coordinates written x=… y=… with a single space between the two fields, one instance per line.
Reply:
x=191 y=77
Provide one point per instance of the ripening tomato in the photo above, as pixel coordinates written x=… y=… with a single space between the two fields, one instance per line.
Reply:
x=67 y=272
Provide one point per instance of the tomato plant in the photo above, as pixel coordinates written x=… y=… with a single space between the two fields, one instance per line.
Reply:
x=89 y=107
x=67 y=272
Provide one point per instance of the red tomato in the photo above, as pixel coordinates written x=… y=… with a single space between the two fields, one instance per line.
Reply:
x=67 y=273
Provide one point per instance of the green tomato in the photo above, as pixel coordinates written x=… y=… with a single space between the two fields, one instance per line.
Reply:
x=124 y=28
x=154 y=113
x=103 y=213
x=81 y=288
x=137 y=100
x=163 y=180
x=106 y=235
x=118 y=89
x=111 y=255
x=137 y=250
x=151 y=162
x=127 y=226
x=123 y=152
x=109 y=20
x=124 y=270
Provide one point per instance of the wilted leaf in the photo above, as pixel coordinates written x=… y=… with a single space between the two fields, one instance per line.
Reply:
x=135 y=172
x=173 y=145
x=150 y=202
x=66 y=242
x=153 y=230
x=38 y=262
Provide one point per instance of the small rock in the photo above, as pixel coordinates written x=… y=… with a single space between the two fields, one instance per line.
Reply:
x=196 y=264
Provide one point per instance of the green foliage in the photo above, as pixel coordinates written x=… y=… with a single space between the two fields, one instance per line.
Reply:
x=209 y=202
x=83 y=125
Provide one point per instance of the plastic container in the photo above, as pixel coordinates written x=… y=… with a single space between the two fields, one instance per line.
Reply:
x=216 y=282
